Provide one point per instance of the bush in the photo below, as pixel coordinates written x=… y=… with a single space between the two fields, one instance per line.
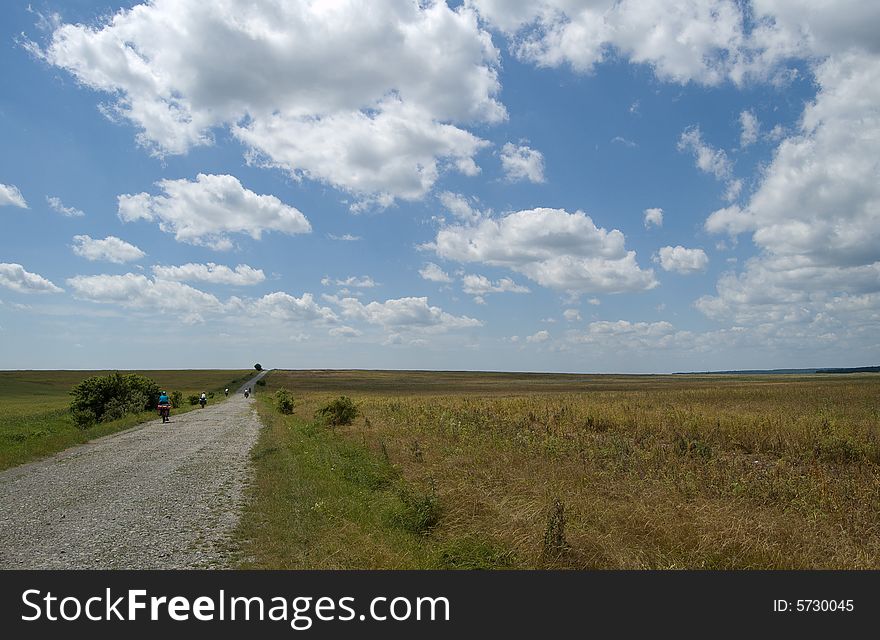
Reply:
x=105 y=398
x=258 y=367
x=340 y=411
x=176 y=399
x=416 y=513
x=284 y=401
x=193 y=399
x=261 y=383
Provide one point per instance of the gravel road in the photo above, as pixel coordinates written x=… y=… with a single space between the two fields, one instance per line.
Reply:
x=153 y=497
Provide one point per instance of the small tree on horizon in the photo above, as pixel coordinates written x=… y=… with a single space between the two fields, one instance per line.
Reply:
x=258 y=367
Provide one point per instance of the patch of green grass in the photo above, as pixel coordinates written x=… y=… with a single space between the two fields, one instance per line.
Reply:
x=35 y=422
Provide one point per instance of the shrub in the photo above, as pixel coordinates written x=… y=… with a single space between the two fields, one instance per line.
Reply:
x=261 y=383
x=193 y=399
x=176 y=399
x=284 y=401
x=416 y=513
x=258 y=367
x=104 y=398
x=340 y=411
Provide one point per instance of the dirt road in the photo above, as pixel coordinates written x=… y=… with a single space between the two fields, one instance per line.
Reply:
x=153 y=497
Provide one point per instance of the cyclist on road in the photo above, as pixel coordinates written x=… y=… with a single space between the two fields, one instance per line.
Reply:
x=164 y=406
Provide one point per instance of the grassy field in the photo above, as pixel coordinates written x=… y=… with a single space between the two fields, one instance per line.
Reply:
x=34 y=421
x=462 y=470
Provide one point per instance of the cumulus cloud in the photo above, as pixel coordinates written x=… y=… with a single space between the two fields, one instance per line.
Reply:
x=110 y=249
x=285 y=307
x=14 y=276
x=347 y=237
x=711 y=160
x=460 y=207
x=478 y=285
x=10 y=195
x=434 y=273
x=540 y=336
x=68 y=212
x=403 y=314
x=362 y=282
x=345 y=332
x=572 y=315
x=653 y=217
x=556 y=249
x=815 y=216
x=750 y=128
x=698 y=41
x=521 y=162
x=206 y=211
x=136 y=291
x=299 y=90
x=242 y=275
x=682 y=260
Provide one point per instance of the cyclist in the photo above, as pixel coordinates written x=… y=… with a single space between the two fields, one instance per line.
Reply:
x=203 y=400
x=164 y=406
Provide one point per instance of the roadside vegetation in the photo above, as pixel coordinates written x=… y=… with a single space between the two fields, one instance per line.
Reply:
x=459 y=470
x=36 y=421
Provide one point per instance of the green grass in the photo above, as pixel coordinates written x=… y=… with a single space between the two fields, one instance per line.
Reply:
x=733 y=472
x=34 y=421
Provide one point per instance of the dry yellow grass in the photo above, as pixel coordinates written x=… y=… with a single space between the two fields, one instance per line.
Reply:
x=651 y=472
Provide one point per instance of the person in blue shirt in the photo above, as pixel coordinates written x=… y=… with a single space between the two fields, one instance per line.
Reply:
x=164 y=406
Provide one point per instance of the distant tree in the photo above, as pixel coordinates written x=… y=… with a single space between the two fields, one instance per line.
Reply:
x=258 y=367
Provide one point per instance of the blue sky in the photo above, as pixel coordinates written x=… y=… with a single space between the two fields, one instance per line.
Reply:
x=587 y=186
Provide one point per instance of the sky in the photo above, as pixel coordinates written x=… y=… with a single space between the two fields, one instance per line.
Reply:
x=561 y=185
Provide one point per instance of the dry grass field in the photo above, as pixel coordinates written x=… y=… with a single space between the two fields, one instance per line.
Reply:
x=471 y=470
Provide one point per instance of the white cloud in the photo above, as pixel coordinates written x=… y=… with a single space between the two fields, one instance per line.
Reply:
x=283 y=306
x=750 y=128
x=479 y=285
x=594 y=301
x=521 y=162
x=136 y=291
x=540 y=336
x=110 y=249
x=556 y=249
x=345 y=332
x=683 y=260
x=345 y=237
x=653 y=217
x=572 y=315
x=14 y=276
x=242 y=275
x=299 y=89
x=684 y=41
x=10 y=195
x=206 y=211
x=711 y=160
x=815 y=216
x=459 y=206
x=626 y=143
x=434 y=273
x=403 y=314
x=362 y=282
x=68 y=212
